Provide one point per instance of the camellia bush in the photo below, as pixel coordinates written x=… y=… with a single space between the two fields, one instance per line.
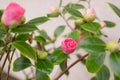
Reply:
x=18 y=35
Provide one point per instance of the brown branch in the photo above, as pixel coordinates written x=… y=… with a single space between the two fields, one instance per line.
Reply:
x=66 y=21
x=9 y=49
x=80 y=59
x=10 y=64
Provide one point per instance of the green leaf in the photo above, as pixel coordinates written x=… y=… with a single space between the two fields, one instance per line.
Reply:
x=21 y=63
x=44 y=35
x=93 y=44
x=41 y=76
x=2 y=33
x=103 y=74
x=24 y=29
x=75 y=6
x=57 y=57
x=115 y=9
x=25 y=49
x=95 y=61
x=110 y=24
x=93 y=78
x=92 y=27
x=59 y=30
x=44 y=66
x=38 y=21
x=22 y=37
x=114 y=60
x=53 y=15
x=63 y=66
x=2 y=44
x=39 y=39
x=73 y=12
x=74 y=34
x=116 y=77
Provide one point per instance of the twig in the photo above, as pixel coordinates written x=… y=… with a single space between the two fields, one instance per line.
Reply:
x=80 y=59
x=66 y=21
x=6 y=56
x=10 y=64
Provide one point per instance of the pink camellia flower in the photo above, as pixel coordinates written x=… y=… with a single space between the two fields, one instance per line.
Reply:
x=90 y=15
x=12 y=15
x=103 y=24
x=68 y=45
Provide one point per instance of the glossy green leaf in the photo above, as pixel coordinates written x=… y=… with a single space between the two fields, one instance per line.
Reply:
x=116 y=77
x=103 y=74
x=75 y=6
x=44 y=66
x=21 y=63
x=93 y=78
x=114 y=60
x=63 y=66
x=40 y=39
x=93 y=44
x=95 y=61
x=41 y=76
x=59 y=30
x=92 y=27
x=51 y=15
x=24 y=29
x=22 y=37
x=73 y=12
x=2 y=32
x=115 y=9
x=74 y=34
x=44 y=35
x=57 y=57
x=25 y=49
x=39 y=20
x=110 y=24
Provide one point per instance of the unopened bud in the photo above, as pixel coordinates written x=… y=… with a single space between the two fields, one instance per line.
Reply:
x=90 y=15
x=113 y=46
x=54 y=12
x=42 y=54
x=79 y=22
x=103 y=24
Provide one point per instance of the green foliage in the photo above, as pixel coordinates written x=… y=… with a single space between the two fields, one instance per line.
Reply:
x=116 y=77
x=25 y=49
x=57 y=57
x=38 y=21
x=59 y=30
x=93 y=78
x=24 y=29
x=114 y=60
x=95 y=61
x=21 y=63
x=103 y=74
x=92 y=27
x=44 y=66
x=39 y=39
x=93 y=45
x=74 y=34
x=22 y=37
x=73 y=12
x=41 y=75
x=44 y=35
x=110 y=24
x=115 y=9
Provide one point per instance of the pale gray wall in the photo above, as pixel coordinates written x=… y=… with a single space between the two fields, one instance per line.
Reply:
x=35 y=8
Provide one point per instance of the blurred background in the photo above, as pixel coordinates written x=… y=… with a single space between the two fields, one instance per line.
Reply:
x=36 y=8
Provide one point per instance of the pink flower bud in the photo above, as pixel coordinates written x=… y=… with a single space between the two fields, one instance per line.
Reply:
x=52 y=9
x=12 y=14
x=69 y=45
x=103 y=24
x=90 y=15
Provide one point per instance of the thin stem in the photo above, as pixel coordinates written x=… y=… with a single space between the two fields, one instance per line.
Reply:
x=66 y=21
x=9 y=49
x=10 y=64
x=89 y=5
x=80 y=59
x=6 y=43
